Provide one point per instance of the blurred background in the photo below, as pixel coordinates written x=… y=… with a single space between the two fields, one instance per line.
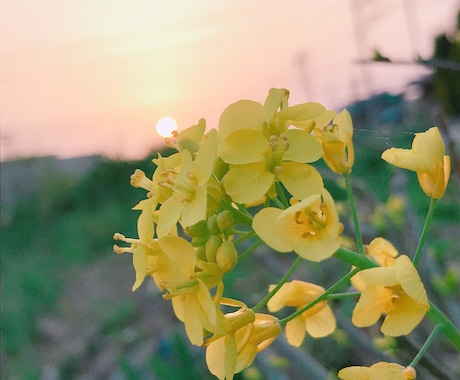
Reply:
x=82 y=85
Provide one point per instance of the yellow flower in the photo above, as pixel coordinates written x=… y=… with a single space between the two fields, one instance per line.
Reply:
x=427 y=159
x=246 y=334
x=378 y=371
x=188 y=139
x=336 y=141
x=395 y=291
x=318 y=321
x=382 y=252
x=310 y=227
x=144 y=257
x=191 y=299
x=188 y=203
x=260 y=148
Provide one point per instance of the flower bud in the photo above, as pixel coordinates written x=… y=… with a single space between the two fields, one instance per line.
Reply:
x=225 y=220
x=212 y=224
x=227 y=256
x=212 y=245
x=198 y=229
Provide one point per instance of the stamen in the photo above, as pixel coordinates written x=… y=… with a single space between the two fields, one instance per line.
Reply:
x=139 y=179
x=120 y=250
x=118 y=236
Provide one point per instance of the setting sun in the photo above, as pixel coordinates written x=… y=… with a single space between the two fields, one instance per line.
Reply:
x=165 y=126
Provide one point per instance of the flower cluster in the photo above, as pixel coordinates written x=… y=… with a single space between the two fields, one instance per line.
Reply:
x=253 y=177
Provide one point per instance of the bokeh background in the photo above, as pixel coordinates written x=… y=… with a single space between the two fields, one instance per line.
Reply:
x=81 y=87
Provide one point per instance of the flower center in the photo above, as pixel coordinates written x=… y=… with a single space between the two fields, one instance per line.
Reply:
x=311 y=219
x=278 y=145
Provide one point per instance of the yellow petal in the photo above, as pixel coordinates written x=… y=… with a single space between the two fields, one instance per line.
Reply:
x=265 y=226
x=427 y=150
x=244 y=146
x=240 y=115
x=248 y=183
x=221 y=357
x=180 y=252
x=321 y=323
x=410 y=281
x=355 y=373
x=303 y=147
x=305 y=116
x=317 y=248
x=169 y=214
x=382 y=251
x=195 y=210
x=301 y=180
x=276 y=97
x=295 y=331
x=405 y=315
x=140 y=266
x=294 y=293
x=145 y=224
x=388 y=371
x=193 y=327
x=371 y=305
x=380 y=276
x=190 y=138
x=205 y=158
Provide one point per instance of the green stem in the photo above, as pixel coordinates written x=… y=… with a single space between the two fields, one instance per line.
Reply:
x=425 y=346
x=449 y=330
x=244 y=235
x=426 y=226
x=250 y=249
x=337 y=296
x=354 y=213
x=286 y=276
x=281 y=194
x=356 y=259
x=321 y=297
x=278 y=203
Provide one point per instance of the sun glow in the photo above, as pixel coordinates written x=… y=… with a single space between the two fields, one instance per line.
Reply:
x=166 y=126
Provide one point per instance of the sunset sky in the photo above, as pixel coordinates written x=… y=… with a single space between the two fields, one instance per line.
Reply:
x=93 y=76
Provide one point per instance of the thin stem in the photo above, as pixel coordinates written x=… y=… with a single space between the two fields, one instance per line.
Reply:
x=321 y=297
x=278 y=203
x=244 y=235
x=426 y=226
x=354 y=258
x=250 y=249
x=354 y=213
x=425 y=346
x=286 y=276
x=337 y=296
x=449 y=330
x=281 y=194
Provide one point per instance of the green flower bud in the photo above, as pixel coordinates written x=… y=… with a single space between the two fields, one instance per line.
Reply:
x=198 y=229
x=225 y=220
x=212 y=224
x=227 y=256
x=212 y=246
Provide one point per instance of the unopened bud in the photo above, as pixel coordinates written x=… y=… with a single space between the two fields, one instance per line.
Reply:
x=212 y=245
x=198 y=229
x=227 y=256
x=212 y=224
x=225 y=220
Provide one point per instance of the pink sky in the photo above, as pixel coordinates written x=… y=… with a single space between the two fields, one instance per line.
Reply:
x=84 y=77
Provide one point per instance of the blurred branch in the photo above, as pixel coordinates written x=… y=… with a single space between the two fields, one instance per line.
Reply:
x=434 y=63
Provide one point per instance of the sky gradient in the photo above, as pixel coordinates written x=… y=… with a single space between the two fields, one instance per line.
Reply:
x=86 y=77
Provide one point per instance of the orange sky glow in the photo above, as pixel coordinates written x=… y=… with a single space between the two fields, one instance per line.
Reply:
x=93 y=77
